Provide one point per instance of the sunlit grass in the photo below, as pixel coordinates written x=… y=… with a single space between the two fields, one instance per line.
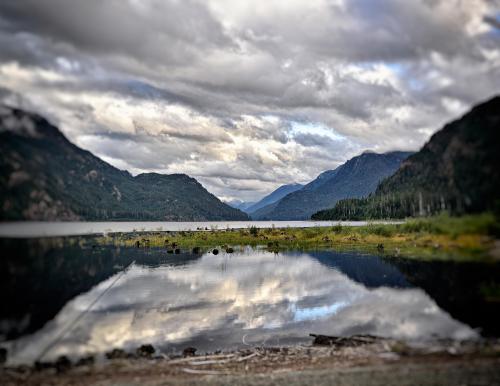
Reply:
x=442 y=237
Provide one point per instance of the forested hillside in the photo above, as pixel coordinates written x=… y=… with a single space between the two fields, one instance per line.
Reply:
x=45 y=177
x=358 y=177
x=457 y=170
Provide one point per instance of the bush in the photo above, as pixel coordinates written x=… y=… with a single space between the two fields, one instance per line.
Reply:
x=380 y=230
x=422 y=225
x=254 y=231
x=337 y=229
x=446 y=224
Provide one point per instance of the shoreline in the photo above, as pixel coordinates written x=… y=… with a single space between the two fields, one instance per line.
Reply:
x=260 y=365
x=468 y=238
x=34 y=229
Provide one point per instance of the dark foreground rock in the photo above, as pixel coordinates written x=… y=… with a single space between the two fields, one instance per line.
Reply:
x=146 y=351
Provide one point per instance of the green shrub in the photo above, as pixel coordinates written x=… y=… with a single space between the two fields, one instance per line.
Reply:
x=445 y=224
x=337 y=229
x=380 y=230
x=254 y=231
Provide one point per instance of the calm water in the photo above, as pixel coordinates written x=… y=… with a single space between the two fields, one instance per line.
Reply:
x=224 y=301
x=76 y=228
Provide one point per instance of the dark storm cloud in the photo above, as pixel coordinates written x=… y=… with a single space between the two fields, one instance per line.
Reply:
x=214 y=88
x=154 y=30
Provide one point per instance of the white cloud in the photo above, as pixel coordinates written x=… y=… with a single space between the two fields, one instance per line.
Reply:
x=218 y=89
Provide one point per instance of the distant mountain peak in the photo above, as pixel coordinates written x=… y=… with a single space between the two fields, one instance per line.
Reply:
x=274 y=196
x=357 y=177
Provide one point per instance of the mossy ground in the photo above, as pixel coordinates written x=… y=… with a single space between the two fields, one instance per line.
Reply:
x=442 y=237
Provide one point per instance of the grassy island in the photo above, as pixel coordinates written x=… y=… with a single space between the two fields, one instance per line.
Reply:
x=440 y=237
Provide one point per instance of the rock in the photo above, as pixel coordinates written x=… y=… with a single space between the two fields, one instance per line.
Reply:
x=85 y=361
x=145 y=351
x=229 y=250
x=215 y=251
x=3 y=355
x=40 y=366
x=189 y=351
x=352 y=341
x=116 y=353
x=63 y=364
x=196 y=250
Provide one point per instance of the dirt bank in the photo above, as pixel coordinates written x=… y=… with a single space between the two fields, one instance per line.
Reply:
x=380 y=362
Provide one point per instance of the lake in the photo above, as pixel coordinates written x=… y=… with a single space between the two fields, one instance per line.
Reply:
x=64 y=298
x=78 y=228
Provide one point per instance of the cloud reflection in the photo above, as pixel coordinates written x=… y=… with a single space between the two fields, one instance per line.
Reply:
x=226 y=301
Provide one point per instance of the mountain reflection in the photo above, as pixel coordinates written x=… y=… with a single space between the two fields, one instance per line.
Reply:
x=227 y=301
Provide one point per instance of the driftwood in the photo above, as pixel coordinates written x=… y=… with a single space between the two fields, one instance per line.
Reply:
x=336 y=341
x=204 y=372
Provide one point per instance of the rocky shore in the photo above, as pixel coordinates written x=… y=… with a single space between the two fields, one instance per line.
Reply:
x=357 y=360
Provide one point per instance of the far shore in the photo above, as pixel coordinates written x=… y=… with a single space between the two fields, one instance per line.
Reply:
x=472 y=237
x=443 y=237
x=32 y=229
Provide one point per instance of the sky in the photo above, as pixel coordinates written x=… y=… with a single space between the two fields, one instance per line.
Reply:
x=247 y=95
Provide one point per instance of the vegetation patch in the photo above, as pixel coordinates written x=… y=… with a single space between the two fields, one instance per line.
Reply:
x=442 y=237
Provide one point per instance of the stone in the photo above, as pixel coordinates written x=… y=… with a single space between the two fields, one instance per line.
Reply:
x=116 y=353
x=85 y=361
x=145 y=351
x=189 y=352
x=63 y=364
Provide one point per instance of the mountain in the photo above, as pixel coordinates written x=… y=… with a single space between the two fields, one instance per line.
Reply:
x=358 y=177
x=457 y=170
x=241 y=205
x=43 y=176
x=274 y=196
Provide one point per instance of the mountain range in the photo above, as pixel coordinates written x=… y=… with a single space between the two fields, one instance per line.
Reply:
x=358 y=177
x=43 y=176
x=274 y=196
x=239 y=204
x=457 y=170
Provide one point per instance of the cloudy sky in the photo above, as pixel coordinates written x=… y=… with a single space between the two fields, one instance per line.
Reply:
x=247 y=95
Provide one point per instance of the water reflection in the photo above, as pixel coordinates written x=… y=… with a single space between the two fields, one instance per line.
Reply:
x=251 y=297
